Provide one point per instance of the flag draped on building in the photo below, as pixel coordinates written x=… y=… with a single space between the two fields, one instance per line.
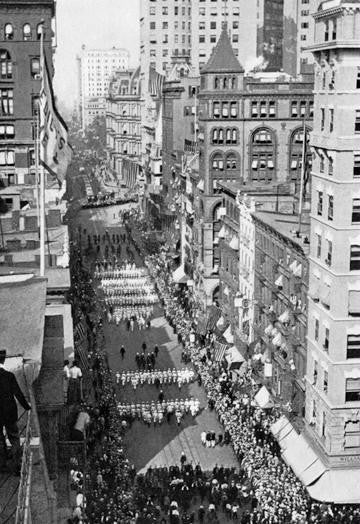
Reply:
x=55 y=150
x=156 y=82
x=306 y=159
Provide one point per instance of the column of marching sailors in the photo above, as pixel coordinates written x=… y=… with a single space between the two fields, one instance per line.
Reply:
x=129 y=296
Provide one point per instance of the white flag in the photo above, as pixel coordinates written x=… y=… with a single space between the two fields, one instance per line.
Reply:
x=55 y=150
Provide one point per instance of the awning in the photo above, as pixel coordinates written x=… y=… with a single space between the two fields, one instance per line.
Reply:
x=263 y=398
x=201 y=185
x=234 y=358
x=340 y=486
x=228 y=336
x=222 y=232
x=281 y=428
x=279 y=281
x=179 y=275
x=284 y=317
x=234 y=244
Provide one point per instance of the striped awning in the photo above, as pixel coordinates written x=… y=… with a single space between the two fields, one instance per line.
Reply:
x=79 y=332
x=213 y=316
x=219 y=351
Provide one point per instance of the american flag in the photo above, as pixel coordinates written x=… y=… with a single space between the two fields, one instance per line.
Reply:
x=156 y=82
x=220 y=350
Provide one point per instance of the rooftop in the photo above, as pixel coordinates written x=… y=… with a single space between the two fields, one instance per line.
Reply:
x=223 y=59
x=252 y=189
x=57 y=277
x=287 y=226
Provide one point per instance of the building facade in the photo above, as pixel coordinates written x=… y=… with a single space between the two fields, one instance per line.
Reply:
x=251 y=132
x=95 y=69
x=123 y=133
x=20 y=33
x=270 y=34
x=280 y=313
x=333 y=357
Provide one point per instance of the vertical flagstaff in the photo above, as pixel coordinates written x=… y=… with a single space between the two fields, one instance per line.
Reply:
x=302 y=177
x=41 y=173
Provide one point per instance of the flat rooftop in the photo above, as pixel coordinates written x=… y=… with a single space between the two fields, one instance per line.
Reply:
x=57 y=277
x=287 y=226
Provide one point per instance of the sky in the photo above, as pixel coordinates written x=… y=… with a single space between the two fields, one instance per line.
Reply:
x=97 y=24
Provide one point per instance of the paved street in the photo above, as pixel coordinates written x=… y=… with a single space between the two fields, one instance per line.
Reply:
x=162 y=445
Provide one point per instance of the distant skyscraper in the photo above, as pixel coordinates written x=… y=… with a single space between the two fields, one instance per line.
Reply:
x=190 y=30
x=95 y=69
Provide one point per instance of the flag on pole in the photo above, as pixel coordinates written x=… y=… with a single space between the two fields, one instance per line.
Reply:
x=305 y=159
x=55 y=150
x=156 y=82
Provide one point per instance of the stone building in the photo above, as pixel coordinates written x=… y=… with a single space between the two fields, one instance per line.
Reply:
x=250 y=132
x=280 y=307
x=20 y=32
x=123 y=127
x=333 y=356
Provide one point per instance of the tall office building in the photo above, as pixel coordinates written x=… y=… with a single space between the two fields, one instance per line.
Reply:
x=95 y=70
x=173 y=31
x=20 y=32
x=333 y=357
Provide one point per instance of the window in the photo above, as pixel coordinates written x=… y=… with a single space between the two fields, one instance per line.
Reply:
x=213 y=39
x=225 y=109
x=322 y=119
x=152 y=25
x=353 y=346
x=262 y=156
x=325 y=381
x=356 y=169
x=354 y=258
x=9 y=32
x=319 y=203
x=322 y=163
x=334 y=28
x=202 y=39
x=328 y=259
x=263 y=109
x=5 y=65
x=355 y=217
x=352 y=392
x=272 y=109
x=235 y=38
x=294 y=109
x=318 y=245
x=331 y=118
x=357 y=121
x=316 y=329
x=35 y=104
x=217 y=163
x=201 y=26
x=165 y=10
x=358 y=80
x=311 y=108
x=354 y=303
x=40 y=30
x=216 y=110
x=231 y=161
x=330 y=207
x=326 y=31
x=233 y=109
x=27 y=32
x=254 y=110
x=235 y=24
x=7 y=157
x=326 y=339
x=7 y=101
x=302 y=108
x=315 y=374
x=331 y=166
x=212 y=25
x=35 y=68
x=6 y=131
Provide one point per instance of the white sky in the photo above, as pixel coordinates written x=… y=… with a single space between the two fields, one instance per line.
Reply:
x=97 y=24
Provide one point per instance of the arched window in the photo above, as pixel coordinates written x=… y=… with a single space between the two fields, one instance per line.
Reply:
x=214 y=137
x=262 y=156
x=234 y=135
x=233 y=82
x=39 y=30
x=225 y=82
x=5 y=64
x=9 y=32
x=217 y=162
x=216 y=82
x=228 y=136
x=231 y=161
x=27 y=32
x=221 y=136
x=296 y=152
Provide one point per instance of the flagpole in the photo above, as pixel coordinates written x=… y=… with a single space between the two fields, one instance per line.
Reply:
x=41 y=175
x=302 y=178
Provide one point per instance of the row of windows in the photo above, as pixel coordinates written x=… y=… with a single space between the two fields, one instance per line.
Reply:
x=213 y=39
x=7 y=102
x=354 y=259
x=6 y=66
x=213 y=25
x=165 y=25
x=7 y=157
x=165 y=10
x=355 y=214
x=259 y=109
x=26 y=34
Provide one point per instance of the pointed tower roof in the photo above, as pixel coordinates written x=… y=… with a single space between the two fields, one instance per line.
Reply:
x=223 y=59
